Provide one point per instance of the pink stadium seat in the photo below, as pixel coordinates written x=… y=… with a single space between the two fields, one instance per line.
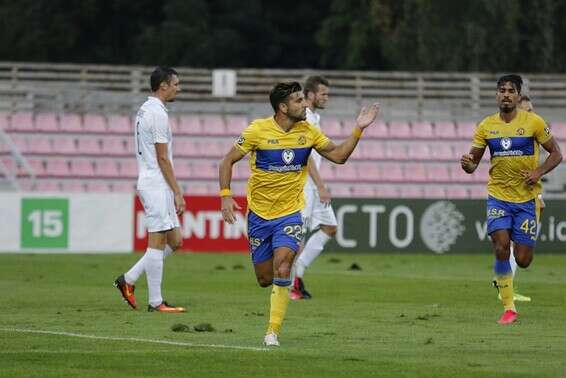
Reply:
x=372 y=150
x=21 y=143
x=106 y=168
x=466 y=130
x=386 y=192
x=410 y=191
x=415 y=172
x=340 y=191
x=213 y=125
x=241 y=171
x=235 y=124
x=130 y=146
x=188 y=147
x=22 y=121
x=72 y=186
x=82 y=168
x=38 y=166
x=481 y=174
x=369 y=172
x=47 y=122
x=377 y=130
x=89 y=145
x=363 y=191
x=95 y=123
x=400 y=130
x=326 y=171
x=57 y=167
x=204 y=169
x=442 y=151
x=129 y=168
x=39 y=144
x=70 y=123
x=119 y=124
x=434 y=192
x=4 y=121
x=559 y=131
x=419 y=151
x=456 y=192
x=213 y=148
x=124 y=186
x=422 y=130
x=357 y=154
x=182 y=169
x=396 y=151
x=457 y=175
x=346 y=172
x=189 y=124
x=97 y=187
x=173 y=123
x=47 y=186
x=114 y=146
x=65 y=145
x=392 y=173
x=331 y=127
x=438 y=173
x=478 y=192
x=238 y=188
x=445 y=130
x=197 y=188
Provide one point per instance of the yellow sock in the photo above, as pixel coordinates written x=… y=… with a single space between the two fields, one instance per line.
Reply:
x=505 y=286
x=279 y=302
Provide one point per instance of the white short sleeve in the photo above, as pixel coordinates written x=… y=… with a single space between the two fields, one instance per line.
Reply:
x=160 y=129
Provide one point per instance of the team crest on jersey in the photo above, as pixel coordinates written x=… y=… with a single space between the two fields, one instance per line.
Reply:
x=547 y=130
x=288 y=156
x=521 y=131
x=302 y=140
x=506 y=143
x=240 y=140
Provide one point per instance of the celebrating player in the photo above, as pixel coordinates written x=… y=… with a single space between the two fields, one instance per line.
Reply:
x=279 y=148
x=513 y=137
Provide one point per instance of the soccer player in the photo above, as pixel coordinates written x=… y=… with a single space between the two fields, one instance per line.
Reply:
x=513 y=137
x=279 y=148
x=318 y=215
x=158 y=191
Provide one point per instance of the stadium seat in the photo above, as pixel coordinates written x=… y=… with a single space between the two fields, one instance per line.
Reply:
x=434 y=192
x=95 y=123
x=365 y=191
x=47 y=186
x=396 y=151
x=400 y=130
x=114 y=146
x=369 y=172
x=372 y=150
x=242 y=171
x=119 y=124
x=235 y=124
x=422 y=130
x=97 y=187
x=331 y=127
x=106 y=168
x=415 y=172
x=38 y=166
x=128 y=168
x=419 y=151
x=377 y=130
x=340 y=191
x=185 y=148
x=478 y=192
x=386 y=191
x=326 y=171
x=65 y=145
x=444 y=130
x=40 y=144
x=57 y=167
x=392 y=173
x=457 y=175
x=70 y=123
x=213 y=148
x=173 y=123
x=204 y=169
x=72 y=186
x=213 y=125
x=481 y=174
x=442 y=151
x=48 y=122
x=456 y=192
x=346 y=172
x=238 y=188
x=22 y=121
x=466 y=130
x=559 y=131
x=410 y=191
x=4 y=121
x=124 y=186
x=183 y=169
x=88 y=145
x=82 y=168
x=189 y=124
x=21 y=143
x=438 y=173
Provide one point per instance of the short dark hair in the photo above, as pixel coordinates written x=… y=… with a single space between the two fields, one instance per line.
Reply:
x=524 y=98
x=312 y=83
x=516 y=80
x=281 y=91
x=161 y=75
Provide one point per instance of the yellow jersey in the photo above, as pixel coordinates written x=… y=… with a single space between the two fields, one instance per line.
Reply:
x=278 y=162
x=514 y=147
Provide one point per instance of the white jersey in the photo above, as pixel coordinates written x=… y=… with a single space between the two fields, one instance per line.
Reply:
x=314 y=119
x=152 y=126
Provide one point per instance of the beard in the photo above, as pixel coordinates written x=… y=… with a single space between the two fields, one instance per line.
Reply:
x=506 y=108
x=297 y=117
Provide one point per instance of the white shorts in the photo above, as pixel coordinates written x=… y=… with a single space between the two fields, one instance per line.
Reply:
x=316 y=213
x=159 y=206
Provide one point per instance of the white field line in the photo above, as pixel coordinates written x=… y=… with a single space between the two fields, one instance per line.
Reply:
x=133 y=339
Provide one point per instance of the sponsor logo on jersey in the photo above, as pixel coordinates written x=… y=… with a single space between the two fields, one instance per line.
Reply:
x=521 y=131
x=506 y=143
x=288 y=156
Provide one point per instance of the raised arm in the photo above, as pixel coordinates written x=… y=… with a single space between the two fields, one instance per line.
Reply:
x=340 y=153
x=225 y=177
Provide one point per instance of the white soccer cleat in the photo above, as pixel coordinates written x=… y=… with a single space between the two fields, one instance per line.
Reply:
x=271 y=340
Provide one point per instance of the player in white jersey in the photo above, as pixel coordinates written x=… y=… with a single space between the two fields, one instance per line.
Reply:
x=318 y=216
x=158 y=191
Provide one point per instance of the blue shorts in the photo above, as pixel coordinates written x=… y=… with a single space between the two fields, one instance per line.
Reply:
x=520 y=218
x=266 y=235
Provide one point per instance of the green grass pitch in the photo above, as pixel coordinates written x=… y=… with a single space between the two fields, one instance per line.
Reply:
x=401 y=315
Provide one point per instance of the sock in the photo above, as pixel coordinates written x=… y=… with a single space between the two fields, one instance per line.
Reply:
x=314 y=246
x=168 y=251
x=154 y=273
x=512 y=260
x=136 y=271
x=504 y=279
x=279 y=303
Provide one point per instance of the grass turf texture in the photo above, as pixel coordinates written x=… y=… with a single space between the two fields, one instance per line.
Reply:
x=401 y=315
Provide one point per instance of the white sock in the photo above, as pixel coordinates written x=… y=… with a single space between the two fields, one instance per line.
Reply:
x=512 y=260
x=136 y=271
x=314 y=246
x=168 y=251
x=154 y=274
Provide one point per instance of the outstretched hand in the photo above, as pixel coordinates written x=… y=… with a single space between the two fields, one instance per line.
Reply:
x=367 y=115
x=228 y=207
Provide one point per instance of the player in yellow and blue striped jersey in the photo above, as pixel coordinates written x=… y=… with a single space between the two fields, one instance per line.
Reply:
x=279 y=148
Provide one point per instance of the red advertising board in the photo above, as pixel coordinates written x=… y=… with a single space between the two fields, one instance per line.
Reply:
x=202 y=226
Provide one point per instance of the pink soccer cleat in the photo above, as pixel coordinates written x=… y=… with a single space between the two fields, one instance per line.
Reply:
x=508 y=317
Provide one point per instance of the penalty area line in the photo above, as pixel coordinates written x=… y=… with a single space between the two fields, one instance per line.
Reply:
x=132 y=339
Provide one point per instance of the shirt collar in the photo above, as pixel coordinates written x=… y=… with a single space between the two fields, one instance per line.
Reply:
x=158 y=101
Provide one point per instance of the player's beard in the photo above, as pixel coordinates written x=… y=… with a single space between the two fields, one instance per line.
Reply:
x=506 y=109
x=298 y=117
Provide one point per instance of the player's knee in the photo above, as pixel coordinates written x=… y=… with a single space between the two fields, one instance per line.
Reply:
x=524 y=261
x=264 y=281
x=502 y=250
x=284 y=270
